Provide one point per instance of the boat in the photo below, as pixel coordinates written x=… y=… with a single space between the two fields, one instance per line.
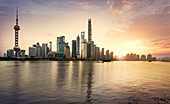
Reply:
x=150 y=60
x=107 y=60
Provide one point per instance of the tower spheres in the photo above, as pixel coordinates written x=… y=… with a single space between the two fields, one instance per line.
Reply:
x=16 y=28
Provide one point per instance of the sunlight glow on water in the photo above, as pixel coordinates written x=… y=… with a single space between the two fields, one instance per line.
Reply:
x=53 y=82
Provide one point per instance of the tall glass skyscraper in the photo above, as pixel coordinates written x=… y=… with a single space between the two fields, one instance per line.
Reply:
x=60 y=41
x=78 y=47
x=74 y=48
x=89 y=30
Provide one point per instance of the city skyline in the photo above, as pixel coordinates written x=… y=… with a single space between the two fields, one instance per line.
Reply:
x=157 y=44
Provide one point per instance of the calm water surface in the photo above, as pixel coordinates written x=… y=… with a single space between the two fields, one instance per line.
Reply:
x=52 y=82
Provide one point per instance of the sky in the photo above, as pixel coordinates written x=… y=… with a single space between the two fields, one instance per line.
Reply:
x=122 y=26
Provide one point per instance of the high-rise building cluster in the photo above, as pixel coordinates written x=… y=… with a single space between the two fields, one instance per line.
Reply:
x=166 y=59
x=81 y=48
x=38 y=51
x=136 y=57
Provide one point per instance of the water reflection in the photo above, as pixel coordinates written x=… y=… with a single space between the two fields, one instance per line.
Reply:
x=89 y=83
x=15 y=87
x=51 y=82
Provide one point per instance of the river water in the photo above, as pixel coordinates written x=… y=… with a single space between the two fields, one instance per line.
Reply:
x=86 y=82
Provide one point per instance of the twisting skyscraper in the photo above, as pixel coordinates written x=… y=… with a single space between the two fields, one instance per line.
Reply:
x=89 y=30
x=16 y=28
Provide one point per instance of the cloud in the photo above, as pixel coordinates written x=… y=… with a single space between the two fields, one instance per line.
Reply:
x=121 y=6
x=162 y=42
x=139 y=7
x=161 y=39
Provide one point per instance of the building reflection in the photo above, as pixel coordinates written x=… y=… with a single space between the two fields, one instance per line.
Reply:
x=88 y=72
x=89 y=84
x=16 y=83
x=62 y=73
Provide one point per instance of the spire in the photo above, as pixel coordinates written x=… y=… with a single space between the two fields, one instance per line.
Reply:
x=17 y=15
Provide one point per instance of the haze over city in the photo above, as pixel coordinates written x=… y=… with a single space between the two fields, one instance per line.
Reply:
x=123 y=26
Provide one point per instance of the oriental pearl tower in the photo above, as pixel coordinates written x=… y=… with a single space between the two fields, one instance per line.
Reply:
x=16 y=28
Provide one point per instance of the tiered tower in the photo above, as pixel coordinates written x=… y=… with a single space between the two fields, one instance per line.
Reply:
x=16 y=28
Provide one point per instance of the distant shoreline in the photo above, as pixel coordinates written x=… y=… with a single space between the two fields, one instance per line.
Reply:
x=51 y=59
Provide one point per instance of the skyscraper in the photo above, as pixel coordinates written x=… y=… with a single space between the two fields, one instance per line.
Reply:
x=91 y=49
x=44 y=50
x=67 y=52
x=149 y=57
x=107 y=55
x=88 y=50
x=137 y=57
x=82 y=35
x=102 y=54
x=63 y=47
x=32 y=52
x=16 y=28
x=143 y=58
x=89 y=30
x=97 y=50
x=50 y=45
x=94 y=53
x=78 y=47
x=23 y=53
x=111 y=55
x=84 y=49
x=60 y=41
x=10 y=53
x=74 y=48
x=38 y=51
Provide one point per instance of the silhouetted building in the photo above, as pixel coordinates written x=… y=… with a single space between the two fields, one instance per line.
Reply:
x=127 y=56
x=111 y=55
x=89 y=30
x=50 y=45
x=84 y=49
x=74 y=48
x=107 y=55
x=5 y=55
x=149 y=57
x=98 y=53
x=78 y=47
x=102 y=54
x=137 y=57
x=143 y=58
x=154 y=59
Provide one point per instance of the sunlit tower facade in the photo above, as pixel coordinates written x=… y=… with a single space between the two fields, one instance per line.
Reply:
x=16 y=28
